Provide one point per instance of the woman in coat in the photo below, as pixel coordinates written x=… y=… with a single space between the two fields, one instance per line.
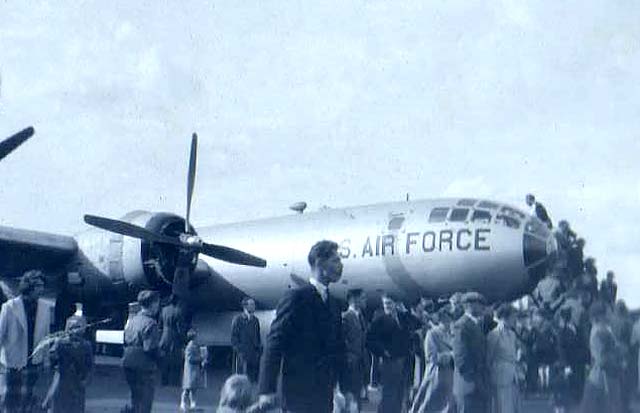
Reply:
x=72 y=359
x=436 y=390
x=192 y=372
x=502 y=362
x=602 y=390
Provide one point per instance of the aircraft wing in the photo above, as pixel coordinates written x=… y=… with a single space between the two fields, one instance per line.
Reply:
x=21 y=250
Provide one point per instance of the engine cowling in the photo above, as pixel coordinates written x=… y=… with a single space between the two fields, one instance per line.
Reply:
x=112 y=268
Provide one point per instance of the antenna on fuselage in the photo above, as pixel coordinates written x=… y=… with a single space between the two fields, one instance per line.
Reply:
x=299 y=207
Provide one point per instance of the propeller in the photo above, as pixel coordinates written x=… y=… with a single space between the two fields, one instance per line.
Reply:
x=191 y=179
x=12 y=142
x=186 y=240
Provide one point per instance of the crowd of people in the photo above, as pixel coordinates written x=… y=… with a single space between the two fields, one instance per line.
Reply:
x=571 y=339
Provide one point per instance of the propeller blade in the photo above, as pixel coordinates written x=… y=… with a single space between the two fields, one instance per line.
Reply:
x=232 y=255
x=130 y=230
x=191 y=179
x=12 y=142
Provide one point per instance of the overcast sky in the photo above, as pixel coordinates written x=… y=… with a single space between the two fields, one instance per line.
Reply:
x=331 y=102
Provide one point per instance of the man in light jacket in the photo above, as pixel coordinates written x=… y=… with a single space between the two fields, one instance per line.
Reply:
x=502 y=362
x=24 y=322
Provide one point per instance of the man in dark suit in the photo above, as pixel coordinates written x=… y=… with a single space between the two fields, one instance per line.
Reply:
x=305 y=343
x=539 y=210
x=469 y=352
x=354 y=328
x=389 y=337
x=609 y=289
x=172 y=341
x=245 y=339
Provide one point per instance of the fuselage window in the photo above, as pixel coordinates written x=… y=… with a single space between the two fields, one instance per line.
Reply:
x=438 y=214
x=396 y=222
x=459 y=215
x=488 y=205
x=467 y=202
x=480 y=215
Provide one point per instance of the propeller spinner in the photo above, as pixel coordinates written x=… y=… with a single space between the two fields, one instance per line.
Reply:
x=186 y=240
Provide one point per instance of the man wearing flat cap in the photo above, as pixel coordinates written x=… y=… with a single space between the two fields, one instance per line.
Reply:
x=469 y=351
x=141 y=345
x=24 y=322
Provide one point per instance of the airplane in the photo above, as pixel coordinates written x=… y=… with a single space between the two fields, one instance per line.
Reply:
x=429 y=248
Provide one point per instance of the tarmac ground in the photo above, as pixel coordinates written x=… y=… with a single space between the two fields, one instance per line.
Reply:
x=108 y=393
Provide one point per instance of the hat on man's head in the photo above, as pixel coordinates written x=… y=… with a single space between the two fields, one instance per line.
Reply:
x=147 y=297
x=472 y=297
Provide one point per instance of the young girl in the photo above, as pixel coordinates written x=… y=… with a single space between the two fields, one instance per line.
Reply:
x=235 y=396
x=192 y=372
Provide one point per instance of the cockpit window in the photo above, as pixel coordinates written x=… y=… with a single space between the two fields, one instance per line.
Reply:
x=488 y=205
x=467 y=202
x=459 y=215
x=480 y=215
x=512 y=212
x=507 y=220
x=438 y=214
x=396 y=222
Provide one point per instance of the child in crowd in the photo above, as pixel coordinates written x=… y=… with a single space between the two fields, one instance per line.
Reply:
x=192 y=372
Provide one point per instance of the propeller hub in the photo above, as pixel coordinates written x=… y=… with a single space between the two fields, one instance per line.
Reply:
x=190 y=240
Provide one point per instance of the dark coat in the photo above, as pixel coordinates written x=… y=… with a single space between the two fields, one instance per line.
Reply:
x=608 y=291
x=245 y=338
x=355 y=333
x=541 y=213
x=72 y=359
x=470 y=354
x=174 y=332
x=386 y=335
x=305 y=343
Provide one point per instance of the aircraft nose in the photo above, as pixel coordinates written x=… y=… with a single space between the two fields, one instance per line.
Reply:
x=539 y=249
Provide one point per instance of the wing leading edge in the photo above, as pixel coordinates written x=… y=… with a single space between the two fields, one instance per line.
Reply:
x=21 y=250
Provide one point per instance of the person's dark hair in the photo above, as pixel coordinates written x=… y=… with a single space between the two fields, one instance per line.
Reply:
x=530 y=197
x=29 y=280
x=245 y=301
x=354 y=293
x=321 y=250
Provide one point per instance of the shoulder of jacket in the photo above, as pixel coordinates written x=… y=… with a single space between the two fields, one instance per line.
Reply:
x=460 y=322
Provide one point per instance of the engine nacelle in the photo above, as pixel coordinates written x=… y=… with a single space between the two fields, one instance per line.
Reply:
x=112 y=268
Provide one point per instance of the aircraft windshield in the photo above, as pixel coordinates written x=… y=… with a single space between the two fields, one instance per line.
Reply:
x=438 y=214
